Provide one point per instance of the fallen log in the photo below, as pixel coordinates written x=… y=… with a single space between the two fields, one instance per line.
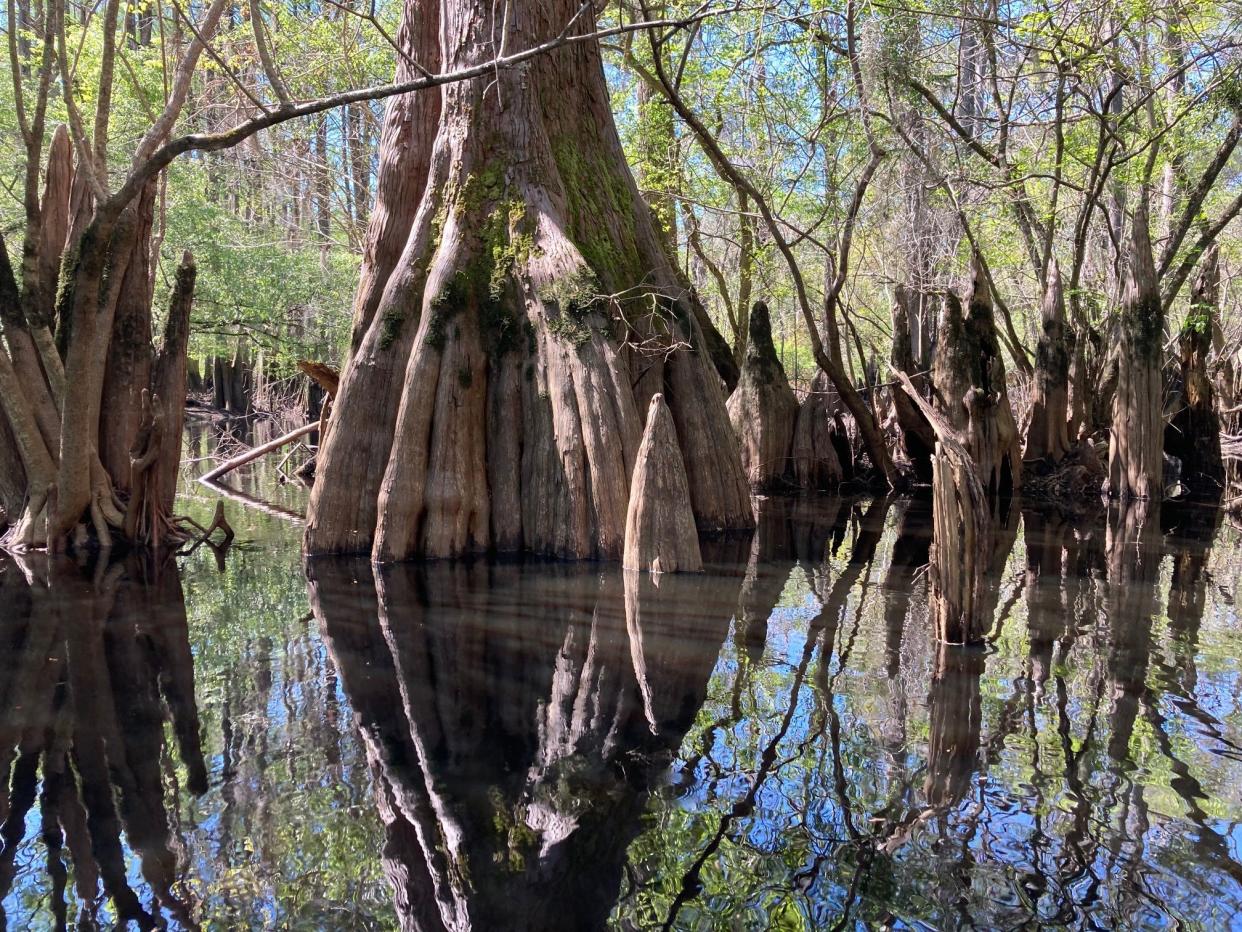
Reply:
x=257 y=453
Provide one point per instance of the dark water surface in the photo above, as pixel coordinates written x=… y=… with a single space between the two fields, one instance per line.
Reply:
x=236 y=742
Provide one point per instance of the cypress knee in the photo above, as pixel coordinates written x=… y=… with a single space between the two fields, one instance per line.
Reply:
x=660 y=535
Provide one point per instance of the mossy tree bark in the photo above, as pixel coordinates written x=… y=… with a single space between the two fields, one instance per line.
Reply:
x=1047 y=437
x=1194 y=435
x=1136 y=445
x=533 y=313
x=763 y=408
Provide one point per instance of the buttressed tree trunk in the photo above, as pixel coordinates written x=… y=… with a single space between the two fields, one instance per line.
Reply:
x=1194 y=435
x=816 y=464
x=1047 y=437
x=763 y=408
x=1136 y=445
x=970 y=392
x=533 y=313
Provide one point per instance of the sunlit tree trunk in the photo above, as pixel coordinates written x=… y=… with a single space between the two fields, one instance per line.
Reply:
x=533 y=312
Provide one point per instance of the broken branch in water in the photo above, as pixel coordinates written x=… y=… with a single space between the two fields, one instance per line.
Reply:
x=251 y=455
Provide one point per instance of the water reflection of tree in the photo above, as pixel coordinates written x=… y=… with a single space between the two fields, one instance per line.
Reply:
x=97 y=663
x=515 y=721
x=1030 y=797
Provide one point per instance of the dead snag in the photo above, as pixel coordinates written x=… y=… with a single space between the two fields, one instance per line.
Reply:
x=1136 y=445
x=1047 y=437
x=329 y=380
x=918 y=440
x=660 y=535
x=816 y=463
x=763 y=408
x=968 y=376
x=1194 y=435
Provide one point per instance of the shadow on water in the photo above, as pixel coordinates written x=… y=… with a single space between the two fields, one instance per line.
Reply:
x=781 y=741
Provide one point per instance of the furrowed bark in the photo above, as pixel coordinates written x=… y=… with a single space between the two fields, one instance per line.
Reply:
x=660 y=536
x=1136 y=445
x=534 y=293
x=404 y=162
x=763 y=408
x=1047 y=437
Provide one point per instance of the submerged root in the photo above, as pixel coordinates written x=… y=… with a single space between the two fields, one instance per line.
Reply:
x=30 y=531
x=1078 y=475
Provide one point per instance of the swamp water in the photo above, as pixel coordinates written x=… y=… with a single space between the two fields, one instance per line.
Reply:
x=233 y=741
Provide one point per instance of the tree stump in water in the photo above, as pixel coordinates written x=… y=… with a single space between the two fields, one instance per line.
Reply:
x=961 y=550
x=816 y=463
x=968 y=376
x=918 y=440
x=763 y=408
x=1136 y=445
x=1194 y=435
x=1047 y=437
x=660 y=535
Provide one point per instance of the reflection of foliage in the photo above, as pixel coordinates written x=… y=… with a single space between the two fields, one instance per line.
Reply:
x=292 y=839
x=815 y=851
x=1107 y=752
